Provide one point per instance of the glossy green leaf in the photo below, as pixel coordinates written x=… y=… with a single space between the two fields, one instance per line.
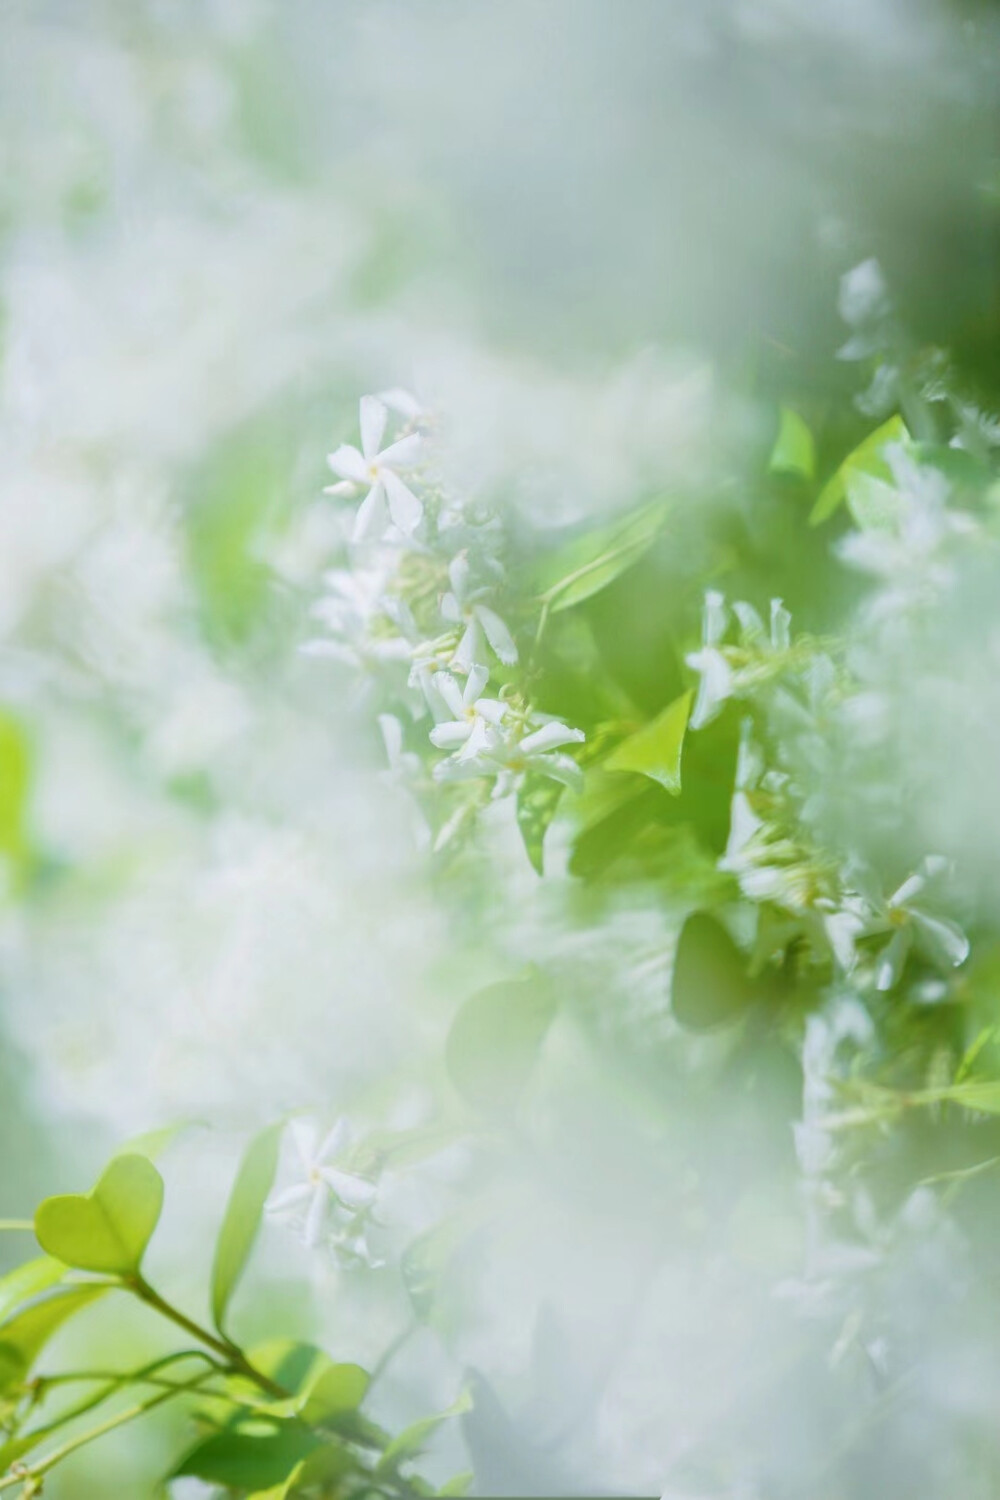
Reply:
x=495 y=1039
x=242 y=1218
x=794 y=450
x=27 y=1281
x=108 y=1229
x=590 y=562
x=655 y=749
x=249 y=1461
x=537 y=801
x=867 y=458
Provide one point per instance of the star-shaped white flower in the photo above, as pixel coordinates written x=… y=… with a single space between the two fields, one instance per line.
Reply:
x=324 y=1185
x=475 y=725
x=463 y=605
x=377 y=469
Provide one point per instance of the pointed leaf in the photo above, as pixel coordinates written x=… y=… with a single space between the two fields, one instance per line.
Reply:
x=590 y=562
x=25 y=1334
x=537 y=800
x=867 y=458
x=242 y=1218
x=655 y=750
x=794 y=450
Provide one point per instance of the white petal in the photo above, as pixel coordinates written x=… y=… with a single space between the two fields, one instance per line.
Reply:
x=392 y=737
x=344 y=489
x=402 y=401
x=349 y=463
x=560 y=768
x=450 y=609
x=550 y=737
x=714 y=618
x=404 y=507
x=498 y=635
x=945 y=938
x=481 y=738
x=337 y=1140
x=354 y=1191
x=448 y=689
x=373 y=419
x=370 y=519
x=781 y=621
x=306 y=1138
x=478 y=678
x=491 y=709
x=450 y=736
x=401 y=454
x=316 y=1216
x=469 y=650
x=714 y=687
x=291 y=1198
x=892 y=958
x=751 y=624
x=458 y=573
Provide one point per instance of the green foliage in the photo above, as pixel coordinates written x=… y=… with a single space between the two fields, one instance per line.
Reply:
x=108 y=1229
x=589 y=563
x=655 y=750
x=865 y=463
x=537 y=802
x=794 y=450
x=15 y=787
x=494 y=1041
x=242 y=1218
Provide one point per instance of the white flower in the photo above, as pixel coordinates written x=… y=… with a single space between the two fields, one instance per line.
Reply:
x=368 y=465
x=716 y=675
x=464 y=606
x=355 y=600
x=324 y=1186
x=475 y=726
x=945 y=941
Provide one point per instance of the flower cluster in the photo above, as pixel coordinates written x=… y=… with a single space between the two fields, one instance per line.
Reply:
x=418 y=615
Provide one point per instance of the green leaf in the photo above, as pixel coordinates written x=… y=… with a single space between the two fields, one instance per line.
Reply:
x=27 y=1281
x=409 y=1443
x=867 y=458
x=495 y=1038
x=26 y=1332
x=242 y=1218
x=248 y=1461
x=460 y=1484
x=15 y=786
x=655 y=750
x=335 y=1389
x=537 y=800
x=794 y=450
x=709 y=985
x=109 y=1228
x=590 y=562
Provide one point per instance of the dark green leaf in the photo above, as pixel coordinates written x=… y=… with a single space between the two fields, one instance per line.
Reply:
x=537 y=800
x=245 y=1461
x=710 y=985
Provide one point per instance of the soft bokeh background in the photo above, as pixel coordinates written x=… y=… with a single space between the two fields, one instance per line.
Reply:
x=574 y=228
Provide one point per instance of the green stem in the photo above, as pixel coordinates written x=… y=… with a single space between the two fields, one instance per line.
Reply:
x=19 y=1226
x=35 y=1471
x=231 y=1353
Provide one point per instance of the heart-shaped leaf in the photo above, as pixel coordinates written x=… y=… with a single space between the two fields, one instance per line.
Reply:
x=242 y=1219
x=108 y=1229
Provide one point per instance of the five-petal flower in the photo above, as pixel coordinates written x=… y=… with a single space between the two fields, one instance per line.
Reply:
x=368 y=465
x=323 y=1185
